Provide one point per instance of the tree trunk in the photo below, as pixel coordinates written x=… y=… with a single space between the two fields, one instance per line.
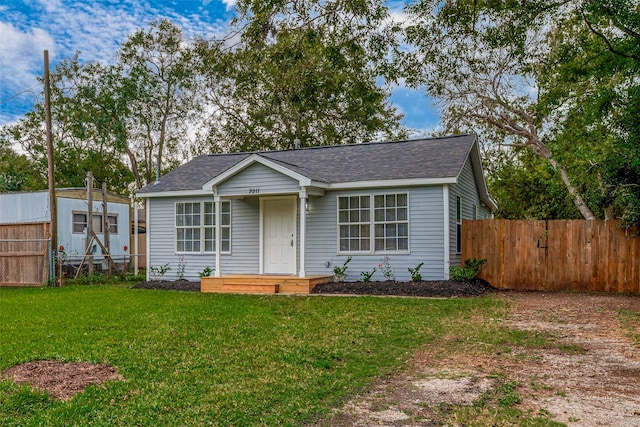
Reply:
x=532 y=141
x=543 y=151
x=577 y=198
x=134 y=167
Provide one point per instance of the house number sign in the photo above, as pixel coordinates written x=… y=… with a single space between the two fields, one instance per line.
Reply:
x=254 y=190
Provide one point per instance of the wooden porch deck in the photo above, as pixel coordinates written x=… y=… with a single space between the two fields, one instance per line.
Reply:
x=261 y=284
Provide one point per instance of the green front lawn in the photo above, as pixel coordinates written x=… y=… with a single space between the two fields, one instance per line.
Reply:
x=207 y=359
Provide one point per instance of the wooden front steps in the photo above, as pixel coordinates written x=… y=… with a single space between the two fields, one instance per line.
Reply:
x=261 y=284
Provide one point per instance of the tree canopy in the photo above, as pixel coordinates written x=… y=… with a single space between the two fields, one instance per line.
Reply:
x=298 y=70
x=548 y=77
x=551 y=87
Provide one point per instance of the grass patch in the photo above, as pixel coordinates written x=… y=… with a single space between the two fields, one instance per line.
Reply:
x=497 y=407
x=631 y=324
x=207 y=359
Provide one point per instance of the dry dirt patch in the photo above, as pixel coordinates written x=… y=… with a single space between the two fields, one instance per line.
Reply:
x=590 y=377
x=61 y=380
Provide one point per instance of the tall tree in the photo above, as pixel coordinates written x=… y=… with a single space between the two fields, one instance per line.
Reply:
x=305 y=70
x=18 y=172
x=160 y=85
x=482 y=60
x=80 y=145
x=591 y=81
x=547 y=76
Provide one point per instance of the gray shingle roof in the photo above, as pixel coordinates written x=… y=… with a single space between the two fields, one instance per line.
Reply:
x=419 y=158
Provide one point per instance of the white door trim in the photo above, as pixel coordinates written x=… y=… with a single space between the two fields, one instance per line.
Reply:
x=294 y=212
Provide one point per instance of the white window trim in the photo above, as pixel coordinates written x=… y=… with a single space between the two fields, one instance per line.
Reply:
x=202 y=228
x=372 y=224
x=371 y=241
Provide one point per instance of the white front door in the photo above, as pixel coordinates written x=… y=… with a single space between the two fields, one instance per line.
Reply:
x=279 y=236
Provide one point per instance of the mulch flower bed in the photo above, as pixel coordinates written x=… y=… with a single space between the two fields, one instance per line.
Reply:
x=439 y=288
x=432 y=288
x=169 y=285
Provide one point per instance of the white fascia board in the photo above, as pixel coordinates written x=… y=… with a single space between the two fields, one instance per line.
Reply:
x=181 y=193
x=256 y=158
x=411 y=182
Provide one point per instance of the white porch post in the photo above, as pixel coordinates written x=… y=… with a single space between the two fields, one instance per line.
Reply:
x=303 y=231
x=216 y=202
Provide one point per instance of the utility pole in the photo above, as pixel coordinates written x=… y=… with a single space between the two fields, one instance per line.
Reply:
x=53 y=217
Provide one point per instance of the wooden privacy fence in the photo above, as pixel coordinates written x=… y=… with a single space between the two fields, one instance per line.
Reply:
x=24 y=254
x=556 y=255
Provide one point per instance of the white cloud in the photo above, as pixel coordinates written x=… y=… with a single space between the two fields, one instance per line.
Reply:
x=93 y=27
x=21 y=61
x=50 y=6
x=229 y=4
x=22 y=50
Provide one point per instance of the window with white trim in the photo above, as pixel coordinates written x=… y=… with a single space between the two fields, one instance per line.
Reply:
x=80 y=222
x=391 y=222
x=354 y=223
x=373 y=223
x=458 y=224
x=196 y=227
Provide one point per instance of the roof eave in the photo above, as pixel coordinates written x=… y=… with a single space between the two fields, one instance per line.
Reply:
x=174 y=193
x=407 y=182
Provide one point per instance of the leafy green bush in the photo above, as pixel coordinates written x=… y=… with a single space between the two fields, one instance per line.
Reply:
x=365 y=276
x=158 y=272
x=415 y=273
x=206 y=272
x=340 y=272
x=468 y=271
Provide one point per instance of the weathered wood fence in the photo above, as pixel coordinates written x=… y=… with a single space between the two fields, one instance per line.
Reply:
x=556 y=255
x=24 y=254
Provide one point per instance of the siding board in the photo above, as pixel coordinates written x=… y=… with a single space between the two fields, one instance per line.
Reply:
x=260 y=178
x=467 y=190
x=426 y=236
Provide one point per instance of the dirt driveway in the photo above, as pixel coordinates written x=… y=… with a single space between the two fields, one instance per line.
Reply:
x=590 y=377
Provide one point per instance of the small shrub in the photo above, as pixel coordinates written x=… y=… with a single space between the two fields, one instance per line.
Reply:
x=468 y=271
x=89 y=279
x=206 y=272
x=415 y=273
x=365 y=276
x=182 y=265
x=130 y=277
x=158 y=272
x=340 y=271
x=385 y=268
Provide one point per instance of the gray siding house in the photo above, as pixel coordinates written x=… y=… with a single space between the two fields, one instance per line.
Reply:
x=302 y=212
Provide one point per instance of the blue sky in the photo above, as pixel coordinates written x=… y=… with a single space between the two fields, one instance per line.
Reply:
x=95 y=27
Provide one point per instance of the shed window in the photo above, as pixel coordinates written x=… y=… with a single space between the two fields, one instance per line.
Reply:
x=80 y=222
x=373 y=223
x=196 y=226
